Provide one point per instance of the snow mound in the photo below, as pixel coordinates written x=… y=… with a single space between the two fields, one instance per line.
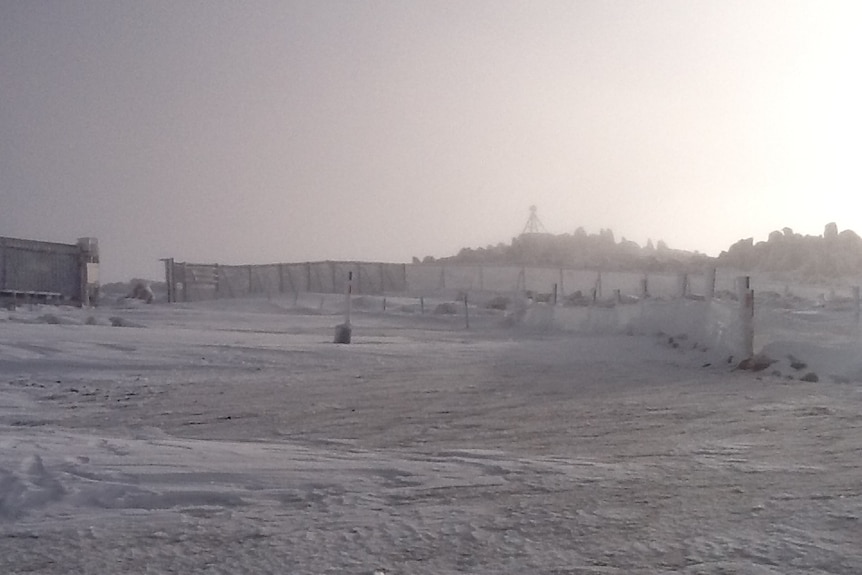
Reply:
x=29 y=487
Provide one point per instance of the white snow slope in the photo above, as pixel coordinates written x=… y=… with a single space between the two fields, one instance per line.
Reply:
x=234 y=437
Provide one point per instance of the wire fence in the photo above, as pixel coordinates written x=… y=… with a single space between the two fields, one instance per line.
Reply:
x=722 y=309
x=195 y=281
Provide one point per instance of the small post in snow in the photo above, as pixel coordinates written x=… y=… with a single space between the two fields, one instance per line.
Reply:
x=710 y=284
x=342 y=331
x=682 y=285
x=562 y=293
x=746 y=315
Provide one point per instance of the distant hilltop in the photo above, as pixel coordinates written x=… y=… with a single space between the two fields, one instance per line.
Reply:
x=807 y=257
x=580 y=250
x=833 y=254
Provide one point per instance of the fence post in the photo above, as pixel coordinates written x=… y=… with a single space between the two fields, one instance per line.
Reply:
x=710 y=284
x=682 y=285
x=169 y=279
x=562 y=285
x=555 y=294
x=746 y=314
x=185 y=269
x=618 y=296
x=466 y=311
x=89 y=269
x=349 y=291
x=343 y=331
x=217 y=279
x=645 y=287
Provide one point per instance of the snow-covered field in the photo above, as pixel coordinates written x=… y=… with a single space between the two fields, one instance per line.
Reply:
x=234 y=437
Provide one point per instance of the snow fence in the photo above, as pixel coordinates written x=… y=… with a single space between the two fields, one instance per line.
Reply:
x=714 y=325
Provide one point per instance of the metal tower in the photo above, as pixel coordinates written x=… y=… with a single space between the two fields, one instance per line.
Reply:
x=534 y=224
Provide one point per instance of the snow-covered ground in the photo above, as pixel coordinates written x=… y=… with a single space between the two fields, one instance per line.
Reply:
x=234 y=437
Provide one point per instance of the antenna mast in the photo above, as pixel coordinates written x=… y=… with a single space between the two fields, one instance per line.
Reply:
x=534 y=224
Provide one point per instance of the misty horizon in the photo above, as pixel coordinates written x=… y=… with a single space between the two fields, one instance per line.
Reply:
x=303 y=131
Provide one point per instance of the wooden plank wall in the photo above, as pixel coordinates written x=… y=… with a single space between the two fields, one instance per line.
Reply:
x=36 y=266
x=195 y=282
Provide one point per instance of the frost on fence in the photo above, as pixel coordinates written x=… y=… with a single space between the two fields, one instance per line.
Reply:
x=714 y=326
x=194 y=282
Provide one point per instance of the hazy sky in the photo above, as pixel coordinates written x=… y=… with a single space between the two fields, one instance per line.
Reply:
x=259 y=132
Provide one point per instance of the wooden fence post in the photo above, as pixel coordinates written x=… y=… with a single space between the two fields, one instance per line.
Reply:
x=185 y=269
x=522 y=280
x=88 y=262
x=746 y=315
x=343 y=331
x=562 y=285
x=710 y=284
x=682 y=285
x=169 y=279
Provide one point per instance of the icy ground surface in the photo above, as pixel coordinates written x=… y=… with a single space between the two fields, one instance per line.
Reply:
x=236 y=438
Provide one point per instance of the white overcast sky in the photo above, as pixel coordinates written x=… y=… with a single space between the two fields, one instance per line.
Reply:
x=259 y=132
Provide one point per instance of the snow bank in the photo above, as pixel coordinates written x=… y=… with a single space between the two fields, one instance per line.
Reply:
x=28 y=487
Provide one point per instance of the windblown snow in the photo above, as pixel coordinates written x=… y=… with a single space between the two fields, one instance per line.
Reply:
x=234 y=437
